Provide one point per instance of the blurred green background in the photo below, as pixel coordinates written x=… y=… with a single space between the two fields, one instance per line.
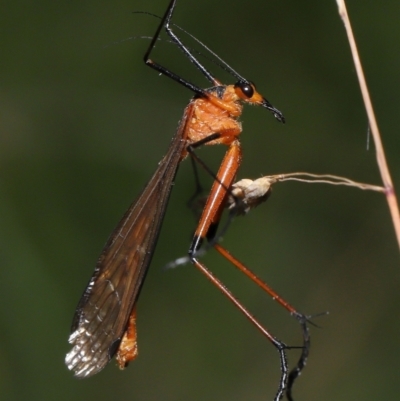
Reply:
x=83 y=124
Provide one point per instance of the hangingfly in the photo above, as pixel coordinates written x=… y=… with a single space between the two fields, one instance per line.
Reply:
x=104 y=324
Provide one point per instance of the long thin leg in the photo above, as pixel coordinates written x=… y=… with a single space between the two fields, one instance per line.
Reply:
x=207 y=226
x=207 y=229
x=216 y=200
x=196 y=160
x=165 y=21
x=273 y=294
x=302 y=319
x=280 y=346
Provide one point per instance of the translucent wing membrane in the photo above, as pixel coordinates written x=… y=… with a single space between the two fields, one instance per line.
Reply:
x=101 y=316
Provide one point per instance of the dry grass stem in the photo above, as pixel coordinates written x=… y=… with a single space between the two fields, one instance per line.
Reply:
x=380 y=154
x=327 y=179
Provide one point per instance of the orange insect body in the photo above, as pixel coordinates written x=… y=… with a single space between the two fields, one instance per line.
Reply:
x=104 y=324
x=128 y=349
x=211 y=115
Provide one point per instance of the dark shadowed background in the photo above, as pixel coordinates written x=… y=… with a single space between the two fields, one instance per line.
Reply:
x=83 y=124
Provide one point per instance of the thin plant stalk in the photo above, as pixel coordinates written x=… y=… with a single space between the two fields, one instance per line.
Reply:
x=380 y=153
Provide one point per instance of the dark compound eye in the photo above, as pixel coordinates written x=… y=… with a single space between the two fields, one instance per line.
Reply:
x=246 y=88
